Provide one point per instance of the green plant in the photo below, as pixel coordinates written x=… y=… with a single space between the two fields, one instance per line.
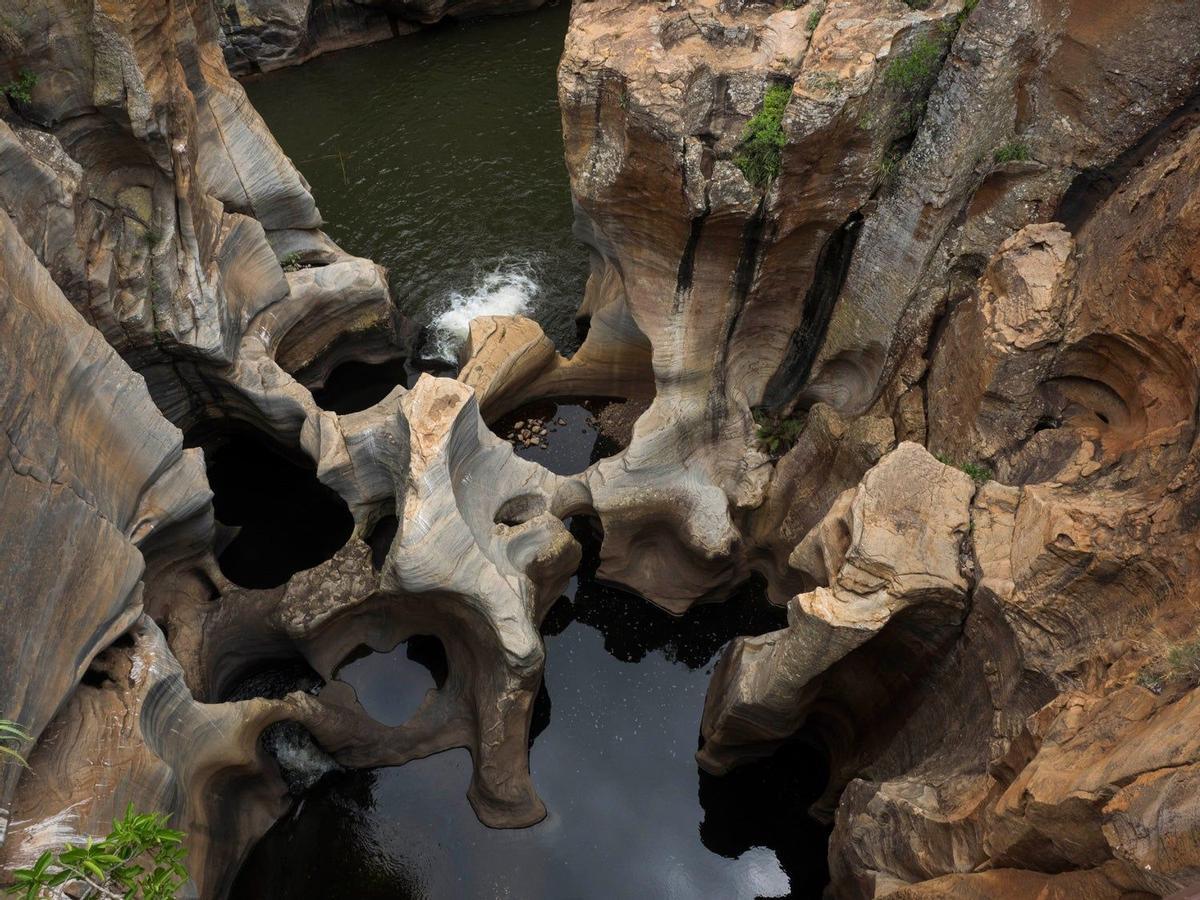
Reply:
x=1183 y=661
x=979 y=474
x=761 y=149
x=140 y=858
x=1180 y=663
x=777 y=435
x=291 y=262
x=21 y=87
x=12 y=734
x=814 y=17
x=1013 y=151
x=914 y=68
x=890 y=162
x=823 y=81
x=1150 y=679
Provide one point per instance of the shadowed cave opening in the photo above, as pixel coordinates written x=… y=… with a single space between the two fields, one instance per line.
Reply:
x=354 y=386
x=612 y=742
x=287 y=520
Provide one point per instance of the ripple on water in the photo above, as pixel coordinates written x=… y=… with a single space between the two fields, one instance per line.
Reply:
x=440 y=157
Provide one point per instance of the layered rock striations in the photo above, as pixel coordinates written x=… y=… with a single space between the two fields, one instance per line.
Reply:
x=164 y=270
x=260 y=35
x=933 y=377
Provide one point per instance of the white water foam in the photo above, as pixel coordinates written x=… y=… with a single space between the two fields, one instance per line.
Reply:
x=509 y=290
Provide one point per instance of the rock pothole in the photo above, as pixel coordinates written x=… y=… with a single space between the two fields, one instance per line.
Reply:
x=286 y=520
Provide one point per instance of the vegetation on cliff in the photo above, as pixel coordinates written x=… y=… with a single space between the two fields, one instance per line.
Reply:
x=761 y=149
x=140 y=858
x=12 y=736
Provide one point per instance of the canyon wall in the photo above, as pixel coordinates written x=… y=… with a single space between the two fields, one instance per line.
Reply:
x=979 y=239
x=260 y=35
x=934 y=380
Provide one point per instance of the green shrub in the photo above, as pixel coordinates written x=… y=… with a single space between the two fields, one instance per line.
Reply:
x=291 y=262
x=140 y=858
x=912 y=70
x=1183 y=661
x=814 y=17
x=776 y=435
x=21 y=87
x=12 y=735
x=1013 y=151
x=1181 y=664
x=979 y=474
x=761 y=149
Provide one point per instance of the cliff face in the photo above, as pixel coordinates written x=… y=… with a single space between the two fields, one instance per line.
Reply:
x=979 y=239
x=935 y=380
x=260 y=35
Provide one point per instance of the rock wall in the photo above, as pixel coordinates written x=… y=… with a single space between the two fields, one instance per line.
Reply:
x=981 y=240
x=260 y=35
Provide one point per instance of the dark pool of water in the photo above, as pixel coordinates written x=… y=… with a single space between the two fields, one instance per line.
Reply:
x=630 y=815
x=390 y=686
x=573 y=442
x=288 y=520
x=440 y=156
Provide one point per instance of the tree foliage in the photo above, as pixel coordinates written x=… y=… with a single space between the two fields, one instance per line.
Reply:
x=141 y=859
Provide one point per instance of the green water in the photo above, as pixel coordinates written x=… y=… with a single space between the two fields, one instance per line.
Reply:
x=440 y=157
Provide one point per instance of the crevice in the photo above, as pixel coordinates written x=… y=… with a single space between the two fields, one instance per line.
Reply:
x=1092 y=187
x=687 y=263
x=833 y=265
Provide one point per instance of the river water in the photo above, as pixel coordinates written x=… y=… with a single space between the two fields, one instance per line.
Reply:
x=440 y=156
x=614 y=733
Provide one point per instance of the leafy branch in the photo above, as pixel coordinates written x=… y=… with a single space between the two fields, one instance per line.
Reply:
x=141 y=859
x=12 y=734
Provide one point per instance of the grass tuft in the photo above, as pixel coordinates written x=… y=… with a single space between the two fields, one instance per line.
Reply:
x=1013 y=151
x=979 y=474
x=21 y=87
x=761 y=150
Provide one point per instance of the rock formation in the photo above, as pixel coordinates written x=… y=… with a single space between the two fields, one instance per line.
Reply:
x=260 y=35
x=980 y=239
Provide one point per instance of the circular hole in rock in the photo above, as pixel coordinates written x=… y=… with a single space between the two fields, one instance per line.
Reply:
x=391 y=686
x=567 y=436
x=288 y=520
x=354 y=386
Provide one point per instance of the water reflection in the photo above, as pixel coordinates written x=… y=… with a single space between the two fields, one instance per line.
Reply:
x=440 y=157
x=630 y=814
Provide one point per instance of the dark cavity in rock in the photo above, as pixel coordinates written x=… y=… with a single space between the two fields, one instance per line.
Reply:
x=630 y=815
x=354 y=386
x=288 y=520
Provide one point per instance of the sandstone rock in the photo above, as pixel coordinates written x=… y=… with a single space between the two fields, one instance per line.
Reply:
x=260 y=35
x=891 y=544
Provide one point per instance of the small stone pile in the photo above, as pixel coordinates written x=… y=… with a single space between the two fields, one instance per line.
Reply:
x=532 y=432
